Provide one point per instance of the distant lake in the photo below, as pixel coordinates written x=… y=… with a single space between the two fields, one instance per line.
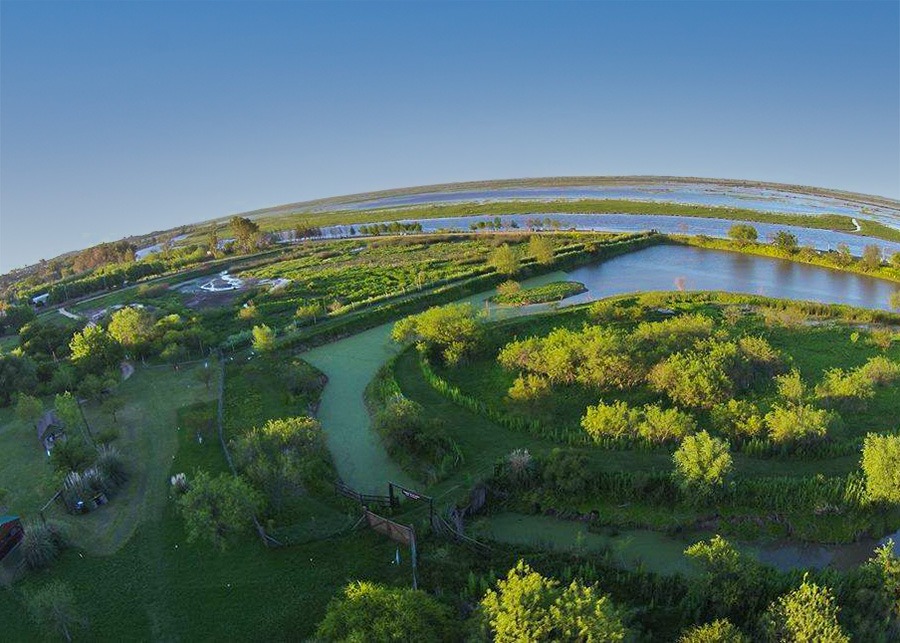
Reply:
x=710 y=194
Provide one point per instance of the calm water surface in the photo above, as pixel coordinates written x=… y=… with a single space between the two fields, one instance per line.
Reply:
x=764 y=200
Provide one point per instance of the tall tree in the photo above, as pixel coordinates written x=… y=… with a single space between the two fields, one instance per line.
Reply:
x=29 y=409
x=541 y=249
x=245 y=231
x=504 y=260
x=132 y=328
x=94 y=350
x=214 y=509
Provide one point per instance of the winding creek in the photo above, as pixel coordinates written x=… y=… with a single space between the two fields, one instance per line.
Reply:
x=363 y=463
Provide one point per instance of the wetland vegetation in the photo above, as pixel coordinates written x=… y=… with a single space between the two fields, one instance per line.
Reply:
x=665 y=446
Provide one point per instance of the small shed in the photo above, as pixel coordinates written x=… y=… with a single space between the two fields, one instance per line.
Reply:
x=49 y=430
x=11 y=534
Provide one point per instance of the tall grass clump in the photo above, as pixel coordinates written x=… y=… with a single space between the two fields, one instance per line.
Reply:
x=42 y=543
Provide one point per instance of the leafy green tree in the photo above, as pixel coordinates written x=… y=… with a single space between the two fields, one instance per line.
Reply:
x=743 y=233
x=504 y=260
x=68 y=411
x=719 y=631
x=728 y=585
x=541 y=249
x=519 y=609
x=526 y=606
x=71 y=454
x=367 y=611
x=132 y=328
x=785 y=241
x=872 y=257
x=217 y=508
x=12 y=318
x=29 y=409
x=17 y=375
x=843 y=256
x=53 y=608
x=881 y=466
x=263 y=339
x=454 y=329
x=246 y=233
x=94 y=350
x=809 y=613
x=702 y=463
x=581 y=613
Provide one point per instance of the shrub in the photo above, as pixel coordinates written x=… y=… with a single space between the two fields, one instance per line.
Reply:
x=528 y=387
x=881 y=466
x=71 y=454
x=843 y=389
x=41 y=543
x=743 y=233
x=660 y=425
x=702 y=463
x=111 y=464
x=670 y=335
x=882 y=338
x=791 y=387
x=738 y=419
x=508 y=288
x=692 y=379
x=567 y=472
x=610 y=420
x=880 y=371
x=718 y=631
x=370 y=612
x=420 y=443
x=798 y=423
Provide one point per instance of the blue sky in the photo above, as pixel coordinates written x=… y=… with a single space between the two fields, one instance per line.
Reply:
x=122 y=118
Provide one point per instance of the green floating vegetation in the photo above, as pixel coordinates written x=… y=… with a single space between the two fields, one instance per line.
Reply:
x=554 y=291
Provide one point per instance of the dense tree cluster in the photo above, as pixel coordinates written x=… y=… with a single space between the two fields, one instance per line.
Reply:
x=284 y=458
x=454 y=330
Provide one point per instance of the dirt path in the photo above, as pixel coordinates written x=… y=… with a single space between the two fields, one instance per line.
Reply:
x=66 y=313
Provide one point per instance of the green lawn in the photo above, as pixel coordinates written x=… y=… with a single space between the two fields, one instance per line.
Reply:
x=25 y=471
